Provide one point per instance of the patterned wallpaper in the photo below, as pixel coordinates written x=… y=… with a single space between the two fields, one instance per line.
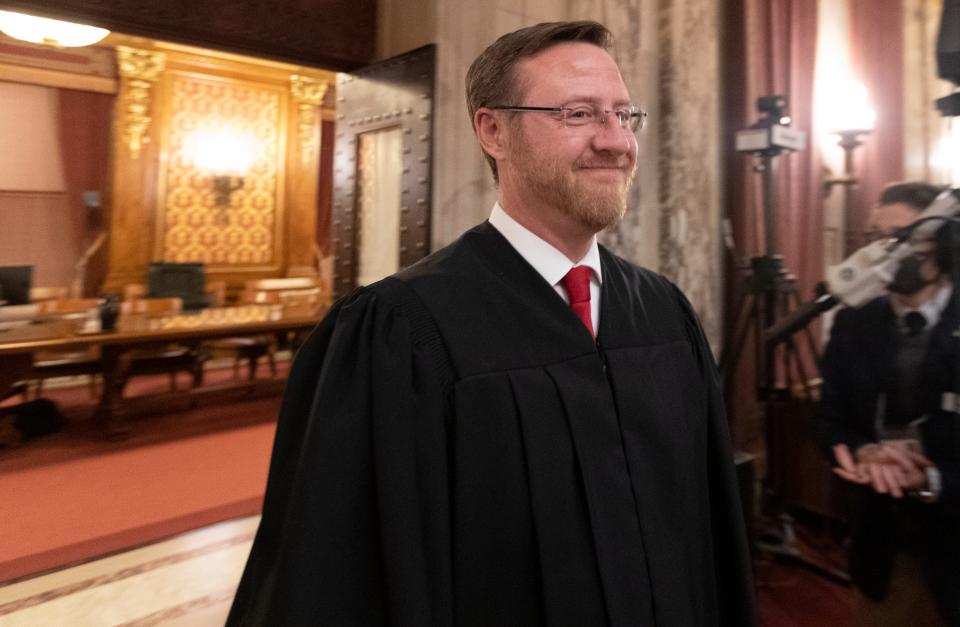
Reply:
x=192 y=227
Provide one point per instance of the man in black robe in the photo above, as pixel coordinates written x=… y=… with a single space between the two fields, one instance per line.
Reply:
x=521 y=429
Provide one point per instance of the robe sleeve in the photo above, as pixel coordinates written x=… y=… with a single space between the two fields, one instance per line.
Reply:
x=950 y=488
x=356 y=519
x=731 y=560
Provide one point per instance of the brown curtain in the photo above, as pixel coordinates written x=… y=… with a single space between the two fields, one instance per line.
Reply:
x=876 y=54
x=771 y=50
x=85 y=121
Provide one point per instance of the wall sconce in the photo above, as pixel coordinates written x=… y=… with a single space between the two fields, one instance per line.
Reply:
x=226 y=156
x=852 y=119
x=42 y=30
x=223 y=186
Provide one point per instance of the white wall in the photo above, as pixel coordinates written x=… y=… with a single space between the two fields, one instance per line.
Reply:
x=29 y=142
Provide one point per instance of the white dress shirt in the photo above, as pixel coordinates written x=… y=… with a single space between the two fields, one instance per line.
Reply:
x=552 y=264
x=931 y=310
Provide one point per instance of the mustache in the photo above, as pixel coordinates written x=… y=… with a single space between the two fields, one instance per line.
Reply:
x=614 y=164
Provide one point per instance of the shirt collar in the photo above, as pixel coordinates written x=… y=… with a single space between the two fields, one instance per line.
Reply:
x=549 y=262
x=931 y=310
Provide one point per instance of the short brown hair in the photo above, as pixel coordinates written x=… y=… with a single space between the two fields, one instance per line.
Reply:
x=491 y=78
x=916 y=194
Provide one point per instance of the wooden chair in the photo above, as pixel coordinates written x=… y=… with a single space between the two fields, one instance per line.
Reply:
x=245 y=348
x=165 y=360
x=69 y=362
x=287 y=292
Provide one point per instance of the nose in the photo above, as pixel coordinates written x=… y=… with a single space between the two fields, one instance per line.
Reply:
x=611 y=137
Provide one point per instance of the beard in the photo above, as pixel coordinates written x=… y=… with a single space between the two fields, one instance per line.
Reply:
x=593 y=204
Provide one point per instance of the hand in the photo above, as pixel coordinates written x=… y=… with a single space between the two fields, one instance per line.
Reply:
x=888 y=468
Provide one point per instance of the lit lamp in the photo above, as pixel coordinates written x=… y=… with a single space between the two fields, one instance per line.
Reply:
x=42 y=30
x=227 y=156
x=851 y=119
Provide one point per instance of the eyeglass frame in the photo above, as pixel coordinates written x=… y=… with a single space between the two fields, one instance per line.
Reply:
x=636 y=113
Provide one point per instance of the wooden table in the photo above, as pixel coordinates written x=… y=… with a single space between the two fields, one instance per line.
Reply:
x=18 y=344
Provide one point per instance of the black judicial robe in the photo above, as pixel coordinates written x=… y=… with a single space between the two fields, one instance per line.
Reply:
x=455 y=449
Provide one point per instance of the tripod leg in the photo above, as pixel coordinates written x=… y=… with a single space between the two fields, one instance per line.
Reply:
x=731 y=330
x=807 y=333
x=731 y=353
x=765 y=310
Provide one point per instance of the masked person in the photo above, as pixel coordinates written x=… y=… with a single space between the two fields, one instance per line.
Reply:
x=521 y=429
x=885 y=371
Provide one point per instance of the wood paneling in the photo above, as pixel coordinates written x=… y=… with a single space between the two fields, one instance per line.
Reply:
x=334 y=34
x=155 y=190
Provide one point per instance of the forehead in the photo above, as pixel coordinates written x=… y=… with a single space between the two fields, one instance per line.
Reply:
x=571 y=70
x=892 y=216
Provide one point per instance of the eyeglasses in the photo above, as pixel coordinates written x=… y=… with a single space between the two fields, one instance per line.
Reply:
x=584 y=116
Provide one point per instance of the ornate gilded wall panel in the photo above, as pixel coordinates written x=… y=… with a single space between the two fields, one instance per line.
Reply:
x=191 y=225
x=253 y=124
x=139 y=70
x=303 y=164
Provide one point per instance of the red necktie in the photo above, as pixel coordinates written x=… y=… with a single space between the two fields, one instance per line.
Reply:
x=577 y=285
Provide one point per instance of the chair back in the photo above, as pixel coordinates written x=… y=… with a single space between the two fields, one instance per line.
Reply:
x=286 y=283
x=38 y=294
x=268 y=291
x=178 y=280
x=134 y=291
x=303 y=303
x=67 y=306
x=152 y=306
x=216 y=292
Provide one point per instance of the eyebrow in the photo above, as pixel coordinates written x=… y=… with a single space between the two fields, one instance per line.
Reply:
x=593 y=100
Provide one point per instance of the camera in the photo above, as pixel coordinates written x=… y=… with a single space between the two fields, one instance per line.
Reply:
x=770 y=135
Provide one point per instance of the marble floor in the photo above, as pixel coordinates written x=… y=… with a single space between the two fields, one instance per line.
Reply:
x=187 y=581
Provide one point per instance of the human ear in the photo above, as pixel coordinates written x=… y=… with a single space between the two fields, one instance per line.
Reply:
x=491 y=132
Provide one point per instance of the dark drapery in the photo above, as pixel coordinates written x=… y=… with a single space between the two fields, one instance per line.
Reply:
x=876 y=45
x=85 y=121
x=771 y=49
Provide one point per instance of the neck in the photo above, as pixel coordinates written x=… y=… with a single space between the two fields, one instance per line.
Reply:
x=923 y=295
x=549 y=224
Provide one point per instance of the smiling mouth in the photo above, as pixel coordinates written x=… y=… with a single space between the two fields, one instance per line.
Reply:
x=602 y=166
x=604 y=169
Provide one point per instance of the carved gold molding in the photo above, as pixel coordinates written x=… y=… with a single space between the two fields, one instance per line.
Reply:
x=139 y=70
x=308 y=92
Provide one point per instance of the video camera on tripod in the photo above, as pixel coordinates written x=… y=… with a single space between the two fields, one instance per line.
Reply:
x=767 y=290
x=771 y=134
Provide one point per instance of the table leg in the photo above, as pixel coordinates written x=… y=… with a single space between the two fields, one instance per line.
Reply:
x=109 y=412
x=14 y=368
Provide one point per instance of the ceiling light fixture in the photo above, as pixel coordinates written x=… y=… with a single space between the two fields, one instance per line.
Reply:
x=43 y=30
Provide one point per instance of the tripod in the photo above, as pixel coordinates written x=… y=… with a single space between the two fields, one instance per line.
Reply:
x=767 y=293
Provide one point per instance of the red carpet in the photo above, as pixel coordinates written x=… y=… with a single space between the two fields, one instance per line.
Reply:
x=71 y=496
